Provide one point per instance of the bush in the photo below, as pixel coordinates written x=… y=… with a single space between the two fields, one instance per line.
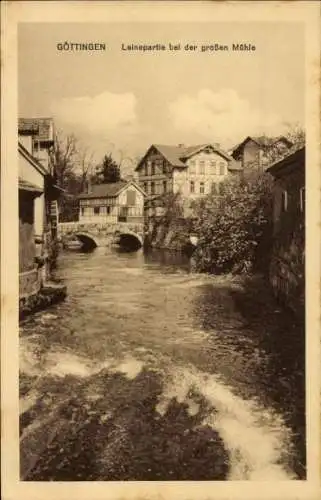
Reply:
x=234 y=229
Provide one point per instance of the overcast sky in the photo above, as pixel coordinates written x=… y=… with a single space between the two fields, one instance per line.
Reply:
x=121 y=100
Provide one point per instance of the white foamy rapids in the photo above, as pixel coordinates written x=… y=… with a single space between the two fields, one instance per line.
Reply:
x=62 y=363
x=255 y=437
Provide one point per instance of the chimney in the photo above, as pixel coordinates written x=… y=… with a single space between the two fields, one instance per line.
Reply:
x=181 y=145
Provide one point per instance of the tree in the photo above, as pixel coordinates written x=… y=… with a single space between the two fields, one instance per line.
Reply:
x=62 y=159
x=295 y=134
x=71 y=166
x=108 y=171
x=85 y=159
x=234 y=229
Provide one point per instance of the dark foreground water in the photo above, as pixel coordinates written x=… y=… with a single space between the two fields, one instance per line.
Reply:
x=149 y=371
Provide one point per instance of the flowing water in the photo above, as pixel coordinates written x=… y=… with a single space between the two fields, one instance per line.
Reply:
x=149 y=371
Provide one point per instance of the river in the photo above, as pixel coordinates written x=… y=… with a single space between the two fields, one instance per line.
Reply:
x=150 y=371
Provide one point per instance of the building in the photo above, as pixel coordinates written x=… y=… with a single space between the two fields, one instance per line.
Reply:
x=37 y=137
x=258 y=152
x=121 y=201
x=192 y=171
x=38 y=215
x=287 y=274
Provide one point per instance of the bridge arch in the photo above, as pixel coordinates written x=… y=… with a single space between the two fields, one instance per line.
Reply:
x=87 y=239
x=129 y=240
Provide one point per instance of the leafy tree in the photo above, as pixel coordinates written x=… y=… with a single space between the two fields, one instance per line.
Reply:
x=108 y=171
x=234 y=229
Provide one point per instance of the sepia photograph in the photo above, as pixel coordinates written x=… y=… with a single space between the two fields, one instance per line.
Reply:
x=161 y=189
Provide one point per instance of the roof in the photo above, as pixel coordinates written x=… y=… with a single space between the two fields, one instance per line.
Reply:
x=32 y=160
x=41 y=128
x=109 y=190
x=28 y=186
x=294 y=157
x=176 y=155
x=262 y=141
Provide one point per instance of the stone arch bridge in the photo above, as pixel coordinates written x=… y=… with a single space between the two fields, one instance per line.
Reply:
x=98 y=234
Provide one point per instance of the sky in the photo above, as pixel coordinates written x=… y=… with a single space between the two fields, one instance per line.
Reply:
x=121 y=102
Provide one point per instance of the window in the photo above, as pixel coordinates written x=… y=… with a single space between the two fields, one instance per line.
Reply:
x=123 y=213
x=192 y=187
x=82 y=211
x=164 y=166
x=164 y=186
x=108 y=210
x=202 y=167
x=202 y=188
x=302 y=199
x=96 y=210
x=152 y=187
x=222 y=168
x=221 y=188
x=153 y=168
x=192 y=167
x=213 y=167
x=145 y=187
x=284 y=201
x=214 y=188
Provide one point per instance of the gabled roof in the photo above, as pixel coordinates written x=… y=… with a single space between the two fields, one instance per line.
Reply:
x=40 y=128
x=109 y=190
x=262 y=141
x=32 y=160
x=177 y=155
x=196 y=149
x=295 y=157
x=172 y=154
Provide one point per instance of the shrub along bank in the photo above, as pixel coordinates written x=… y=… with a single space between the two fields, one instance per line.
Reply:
x=235 y=229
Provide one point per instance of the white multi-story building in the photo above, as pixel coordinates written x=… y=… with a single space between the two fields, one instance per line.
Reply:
x=192 y=171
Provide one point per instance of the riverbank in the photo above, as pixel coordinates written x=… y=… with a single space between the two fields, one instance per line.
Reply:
x=49 y=294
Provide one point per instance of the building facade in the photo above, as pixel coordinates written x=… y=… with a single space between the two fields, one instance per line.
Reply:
x=287 y=267
x=37 y=137
x=38 y=215
x=256 y=153
x=192 y=171
x=112 y=203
